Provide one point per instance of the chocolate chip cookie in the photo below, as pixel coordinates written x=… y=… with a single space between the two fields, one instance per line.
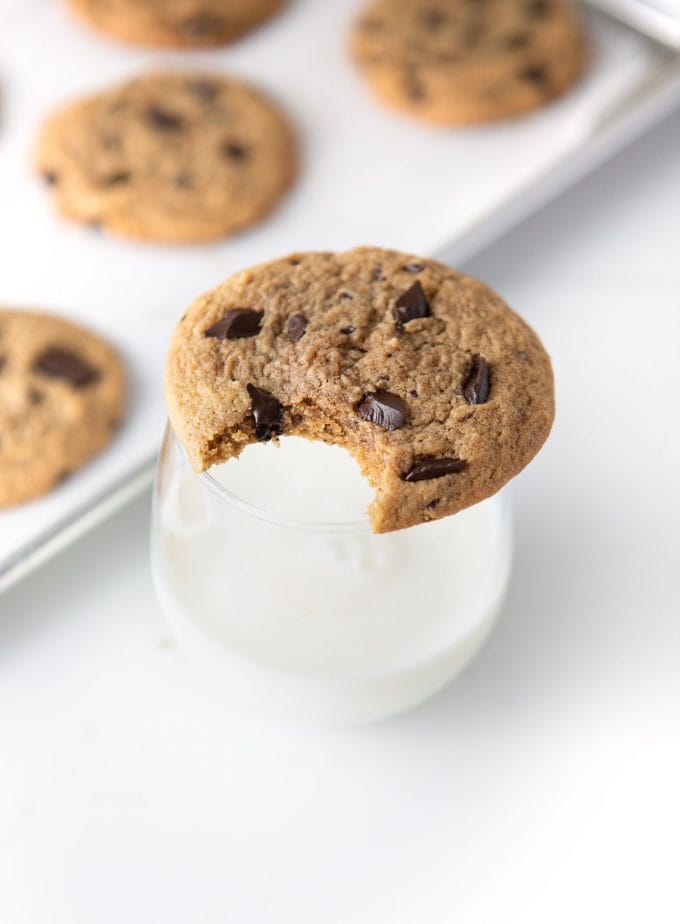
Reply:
x=467 y=61
x=180 y=23
x=435 y=386
x=168 y=157
x=61 y=398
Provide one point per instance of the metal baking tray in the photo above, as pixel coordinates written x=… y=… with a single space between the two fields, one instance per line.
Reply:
x=660 y=19
x=368 y=175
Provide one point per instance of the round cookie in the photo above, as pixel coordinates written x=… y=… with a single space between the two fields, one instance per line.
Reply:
x=168 y=157
x=468 y=61
x=61 y=398
x=178 y=23
x=435 y=386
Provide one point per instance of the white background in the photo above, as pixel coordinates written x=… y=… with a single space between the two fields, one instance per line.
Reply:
x=544 y=786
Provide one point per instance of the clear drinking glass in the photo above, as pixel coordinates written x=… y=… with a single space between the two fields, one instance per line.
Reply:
x=322 y=621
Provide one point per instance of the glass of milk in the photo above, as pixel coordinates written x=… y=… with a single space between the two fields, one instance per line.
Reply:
x=270 y=577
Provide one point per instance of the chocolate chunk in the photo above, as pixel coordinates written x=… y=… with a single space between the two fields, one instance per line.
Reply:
x=163 y=119
x=58 y=363
x=413 y=86
x=433 y=19
x=473 y=35
x=267 y=413
x=410 y=305
x=235 y=151
x=50 y=177
x=429 y=469
x=205 y=90
x=538 y=8
x=347 y=330
x=297 y=325
x=377 y=274
x=3 y=360
x=535 y=73
x=237 y=324
x=476 y=386
x=184 y=180
x=117 y=179
x=414 y=268
x=384 y=409
x=516 y=40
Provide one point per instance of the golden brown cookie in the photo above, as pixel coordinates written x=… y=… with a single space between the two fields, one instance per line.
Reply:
x=435 y=386
x=168 y=157
x=467 y=61
x=61 y=399
x=180 y=23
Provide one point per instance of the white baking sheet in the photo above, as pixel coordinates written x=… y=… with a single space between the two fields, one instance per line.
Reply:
x=368 y=176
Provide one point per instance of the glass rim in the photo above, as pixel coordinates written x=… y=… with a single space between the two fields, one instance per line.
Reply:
x=260 y=513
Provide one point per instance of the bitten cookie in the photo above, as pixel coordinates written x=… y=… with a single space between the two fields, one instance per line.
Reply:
x=467 y=61
x=180 y=23
x=61 y=399
x=431 y=382
x=168 y=157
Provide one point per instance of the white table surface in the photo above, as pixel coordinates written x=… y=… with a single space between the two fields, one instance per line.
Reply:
x=544 y=786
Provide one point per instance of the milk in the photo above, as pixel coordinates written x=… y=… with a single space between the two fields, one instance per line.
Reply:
x=269 y=574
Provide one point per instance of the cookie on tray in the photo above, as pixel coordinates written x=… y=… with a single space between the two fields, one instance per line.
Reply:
x=469 y=61
x=432 y=383
x=178 y=23
x=61 y=399
x=174 y=157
